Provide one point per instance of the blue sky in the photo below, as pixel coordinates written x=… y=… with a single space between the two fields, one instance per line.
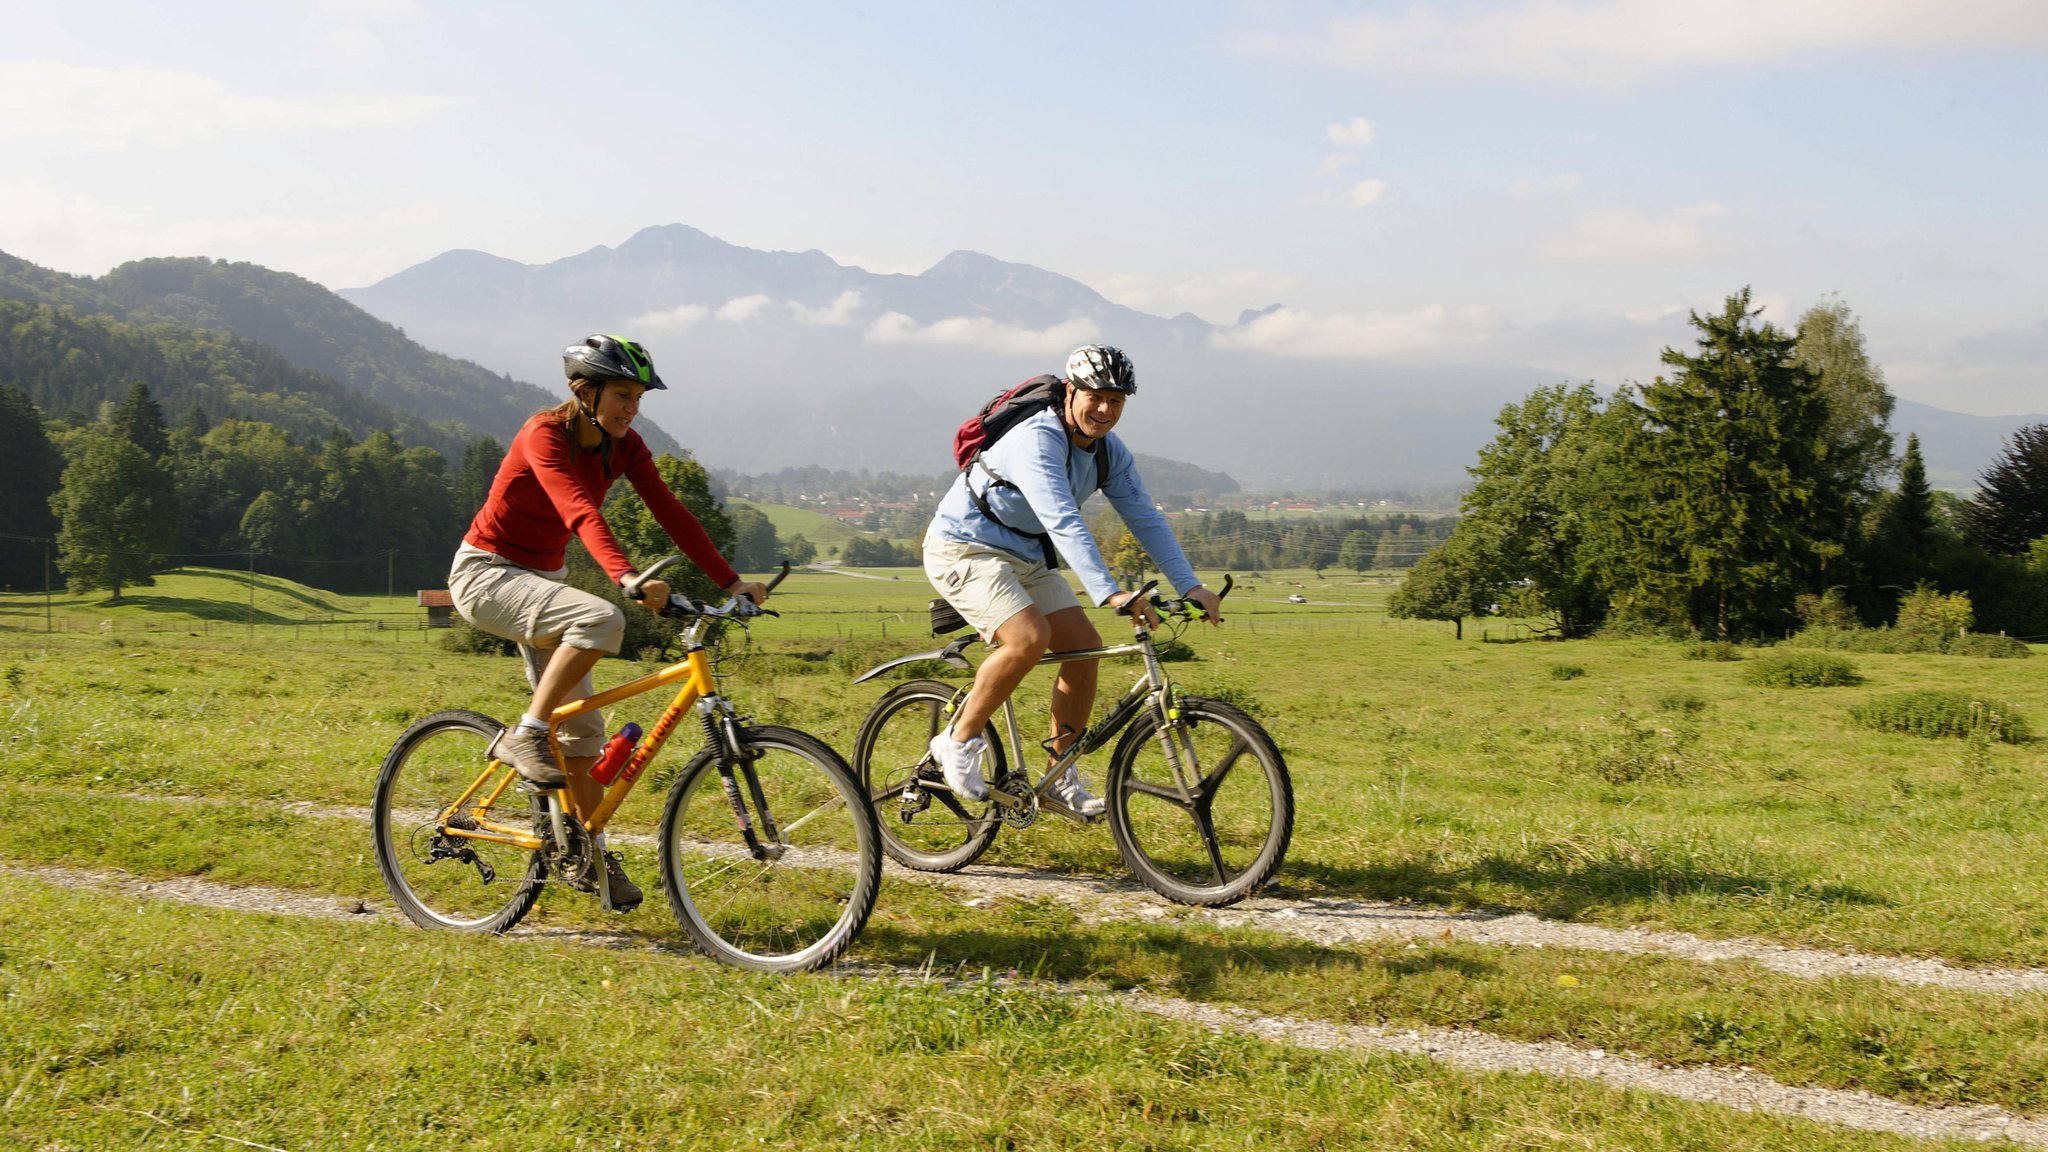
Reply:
x=1544 y=182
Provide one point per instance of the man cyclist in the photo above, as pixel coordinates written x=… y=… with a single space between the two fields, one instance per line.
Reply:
x=990 y=553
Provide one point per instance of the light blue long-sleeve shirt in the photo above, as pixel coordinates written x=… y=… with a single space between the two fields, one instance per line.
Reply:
x=1046 y=470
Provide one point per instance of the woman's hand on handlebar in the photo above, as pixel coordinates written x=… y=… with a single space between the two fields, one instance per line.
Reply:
x=752 y=589
x=1210 y=603
x=653 y=594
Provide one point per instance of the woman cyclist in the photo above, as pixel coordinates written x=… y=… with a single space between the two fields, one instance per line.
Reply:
x=508 y=576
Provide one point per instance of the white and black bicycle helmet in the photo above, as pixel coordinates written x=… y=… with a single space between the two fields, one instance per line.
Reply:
x=1101 y=368
x=601 y=358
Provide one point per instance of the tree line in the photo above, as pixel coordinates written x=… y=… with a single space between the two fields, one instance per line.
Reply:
x=1730 y=497
x=110 y=501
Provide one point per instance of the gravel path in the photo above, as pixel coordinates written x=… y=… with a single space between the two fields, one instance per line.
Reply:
x=1464 y=1049
x=1330 y=920
x=1336 y=920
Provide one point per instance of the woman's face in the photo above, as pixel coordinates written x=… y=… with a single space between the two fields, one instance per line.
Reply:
x=617 y=405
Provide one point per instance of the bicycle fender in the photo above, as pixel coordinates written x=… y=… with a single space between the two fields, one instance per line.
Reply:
x=948 y=654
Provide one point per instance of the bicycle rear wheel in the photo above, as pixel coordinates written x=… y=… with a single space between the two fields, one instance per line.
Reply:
x=441 y=880
x=1227 y=835
x=796 y=898
x=929 y=829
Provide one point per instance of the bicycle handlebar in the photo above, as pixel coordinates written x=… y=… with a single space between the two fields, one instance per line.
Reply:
x=679 y=605
x=1183 y=609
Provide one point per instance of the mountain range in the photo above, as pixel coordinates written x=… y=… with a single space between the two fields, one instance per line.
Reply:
x=781 y=359
x=775 y=359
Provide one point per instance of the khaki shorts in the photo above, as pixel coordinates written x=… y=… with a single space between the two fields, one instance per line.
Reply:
x=988 y=585
x=540 y=613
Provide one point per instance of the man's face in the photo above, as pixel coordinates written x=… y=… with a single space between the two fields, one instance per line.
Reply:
x=1093 y=413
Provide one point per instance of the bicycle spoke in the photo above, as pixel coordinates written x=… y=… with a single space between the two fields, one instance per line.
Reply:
x=796 y=905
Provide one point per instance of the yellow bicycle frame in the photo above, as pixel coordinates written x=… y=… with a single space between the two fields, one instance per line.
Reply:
x=695 y=673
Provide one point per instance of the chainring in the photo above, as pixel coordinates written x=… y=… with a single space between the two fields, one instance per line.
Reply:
x=574 y=863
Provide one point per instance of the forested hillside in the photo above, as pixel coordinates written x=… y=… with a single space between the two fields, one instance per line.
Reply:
x=340 y=351
x=71 y=363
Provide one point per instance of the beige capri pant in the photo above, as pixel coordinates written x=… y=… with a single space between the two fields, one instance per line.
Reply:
x=539 y=612
x=989 y=585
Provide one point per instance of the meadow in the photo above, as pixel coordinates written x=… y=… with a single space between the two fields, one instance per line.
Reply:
x=208 y=730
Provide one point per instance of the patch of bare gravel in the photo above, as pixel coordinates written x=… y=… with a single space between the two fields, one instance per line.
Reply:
x=1468 y=1050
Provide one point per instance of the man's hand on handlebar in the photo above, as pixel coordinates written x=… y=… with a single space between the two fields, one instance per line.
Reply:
x=1210 y=603
x=1139 y=607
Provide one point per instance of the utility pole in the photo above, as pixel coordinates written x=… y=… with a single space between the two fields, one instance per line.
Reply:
x=48 y=626
x=390 y=565
x=252 y=593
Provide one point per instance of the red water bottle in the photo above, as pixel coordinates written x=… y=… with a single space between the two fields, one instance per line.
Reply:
x=614 y=756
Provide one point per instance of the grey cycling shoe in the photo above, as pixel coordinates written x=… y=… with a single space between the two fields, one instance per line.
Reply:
x=526 y=750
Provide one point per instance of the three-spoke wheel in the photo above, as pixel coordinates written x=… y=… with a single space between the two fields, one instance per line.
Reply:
x=772 y=863
x=1216 y=830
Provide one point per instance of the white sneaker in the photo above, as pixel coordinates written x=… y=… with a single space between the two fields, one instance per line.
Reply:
x=1073 y=794
x=961 y=763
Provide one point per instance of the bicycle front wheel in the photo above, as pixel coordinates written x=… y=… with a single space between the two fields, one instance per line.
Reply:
x=929 y=829
x=1218 y=830
x=437 y=877
x=776 y=866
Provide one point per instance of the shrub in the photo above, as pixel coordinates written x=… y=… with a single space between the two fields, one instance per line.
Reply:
x=460 y=637
x=1988 y=646
x=1926 y=608
x=1934 y=713
x=1801 y=670
x=1827 y=610
x=1720 y=650
x=1911 y=641
x=1567 y=671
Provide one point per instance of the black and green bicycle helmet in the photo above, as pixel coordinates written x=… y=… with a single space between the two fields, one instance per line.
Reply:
x=600 y=358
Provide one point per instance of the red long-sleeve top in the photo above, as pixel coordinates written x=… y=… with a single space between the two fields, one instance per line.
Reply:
x=545 y=490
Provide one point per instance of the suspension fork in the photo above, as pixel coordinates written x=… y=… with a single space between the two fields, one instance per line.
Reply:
x=734 y=759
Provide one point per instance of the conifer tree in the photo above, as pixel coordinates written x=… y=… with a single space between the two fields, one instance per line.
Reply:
x=30 y=468
x=1734 y=514
x=2010 y=510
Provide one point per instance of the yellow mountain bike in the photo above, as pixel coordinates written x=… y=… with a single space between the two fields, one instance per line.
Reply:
x=1199 y=801
x=768 y=849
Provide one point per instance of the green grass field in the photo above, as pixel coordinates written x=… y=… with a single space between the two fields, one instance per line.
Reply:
x=1642 y=789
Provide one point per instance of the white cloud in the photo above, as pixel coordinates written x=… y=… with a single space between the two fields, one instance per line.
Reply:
x=681 y=316
x=1563 y=182
x=837 y=314
x=162 y=108
x=741 y=309
x=352 y=30
x=1365 y=192
x=1353 y=133
x=982 y=332
x=1335 y=163
x=1614 y=43
x=1625 y=234
x=1349 y=336
x=1227 y=293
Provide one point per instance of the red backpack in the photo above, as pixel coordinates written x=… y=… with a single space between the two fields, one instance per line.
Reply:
x=1002 y=413
x=987 y=426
